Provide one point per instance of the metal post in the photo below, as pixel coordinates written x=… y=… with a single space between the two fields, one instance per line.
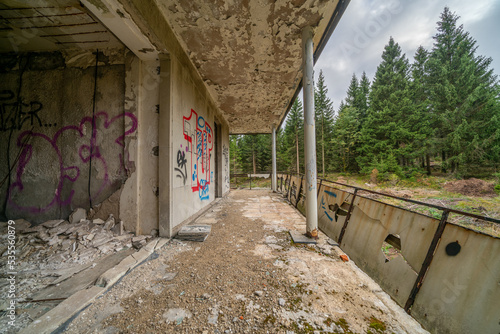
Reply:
x=346 y=221
x=427 y=261
x=309 y=134
x=274 y=179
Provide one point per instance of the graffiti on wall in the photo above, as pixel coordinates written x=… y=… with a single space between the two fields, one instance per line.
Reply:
x=181 y=168
x=225 y=154
x=52 y=148
x=15 y=112
x=199 y=141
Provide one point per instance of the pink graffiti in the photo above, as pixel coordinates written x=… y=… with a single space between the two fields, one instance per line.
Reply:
x=198 y=135
x=70 y=173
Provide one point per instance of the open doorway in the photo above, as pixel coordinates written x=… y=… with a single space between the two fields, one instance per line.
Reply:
x=217 y=160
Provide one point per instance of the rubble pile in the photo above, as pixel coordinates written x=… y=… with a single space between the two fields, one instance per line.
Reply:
x=45 y=251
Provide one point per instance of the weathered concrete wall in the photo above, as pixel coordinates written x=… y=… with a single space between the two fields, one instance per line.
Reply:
x=187 y=148
x=58 y=155
x=139 y=198
x=460 y=293
x=193 y=145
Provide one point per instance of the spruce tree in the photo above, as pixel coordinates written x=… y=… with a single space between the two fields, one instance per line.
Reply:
x=386 y=130
x=294 y=135
x=464 y=97
x=324 y=121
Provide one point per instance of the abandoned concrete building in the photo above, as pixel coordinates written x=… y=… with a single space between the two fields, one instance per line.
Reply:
x=125 y=107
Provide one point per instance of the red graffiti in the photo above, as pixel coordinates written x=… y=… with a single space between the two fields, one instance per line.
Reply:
x=198 y=135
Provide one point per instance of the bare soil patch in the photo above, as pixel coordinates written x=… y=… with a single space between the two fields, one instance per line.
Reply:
x=472 y=187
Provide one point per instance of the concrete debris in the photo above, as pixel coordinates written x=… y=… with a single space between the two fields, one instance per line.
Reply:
x=98 y=221
x=194 y=233
x=176 y=315
x=53 y=223
x=118 y=228
x=77 y=215
x=46 y=251
x=110 y=223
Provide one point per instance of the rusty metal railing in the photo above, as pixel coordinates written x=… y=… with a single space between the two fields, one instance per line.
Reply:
x=434 y=243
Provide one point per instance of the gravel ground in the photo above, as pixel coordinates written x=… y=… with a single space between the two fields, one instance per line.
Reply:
x=247 y=277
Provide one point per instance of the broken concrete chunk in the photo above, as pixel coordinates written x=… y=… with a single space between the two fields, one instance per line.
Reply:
x=54 y=241
x=77 y=215
x=22 y=225
x=60 y=228
x=110 y=223
x=53 y=223
x=118 y=228
x=98 y=221
x=138 y=244
x=34 y=229
x=138 y=238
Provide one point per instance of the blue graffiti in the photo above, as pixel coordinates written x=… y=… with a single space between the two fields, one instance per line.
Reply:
x=203 y=190
x=330 y=193
x=323 y=206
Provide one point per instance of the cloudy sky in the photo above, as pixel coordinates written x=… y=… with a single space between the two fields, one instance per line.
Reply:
x=358 y=41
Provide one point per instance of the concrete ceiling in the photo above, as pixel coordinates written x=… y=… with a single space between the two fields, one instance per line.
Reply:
x=248 y=52
x=48 y=25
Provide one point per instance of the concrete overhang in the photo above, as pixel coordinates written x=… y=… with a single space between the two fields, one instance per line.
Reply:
x=54 y=25
x=248 y=53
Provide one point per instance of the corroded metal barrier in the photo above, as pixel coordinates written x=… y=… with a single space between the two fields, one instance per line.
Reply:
x=447 y=276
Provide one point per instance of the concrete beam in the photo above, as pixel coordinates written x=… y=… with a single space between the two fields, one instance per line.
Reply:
x=114 y=17
x=309 y=134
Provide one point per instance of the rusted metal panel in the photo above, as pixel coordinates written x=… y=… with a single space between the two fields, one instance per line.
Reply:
x=370 y=224
x=461 y=293
x=328 y=222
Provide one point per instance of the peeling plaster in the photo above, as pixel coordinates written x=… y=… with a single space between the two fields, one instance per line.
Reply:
x=247 y=52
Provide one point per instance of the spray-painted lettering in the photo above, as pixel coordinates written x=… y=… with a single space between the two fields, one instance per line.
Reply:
x=181 y=165
x=198 y=136
x=14 y=112
x=87 y=151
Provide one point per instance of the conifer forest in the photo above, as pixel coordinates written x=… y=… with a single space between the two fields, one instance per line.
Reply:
x=439 y=114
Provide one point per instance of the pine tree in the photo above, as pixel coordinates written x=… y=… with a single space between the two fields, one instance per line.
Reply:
x=422 y=118
x=362 y=98
x=464 y=97
x=324 y=121
x=386 y=129
x=346 y=132
x=352 y=92
x=294 y=134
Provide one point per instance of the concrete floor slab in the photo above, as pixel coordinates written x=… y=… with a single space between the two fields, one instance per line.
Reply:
x=252 y=279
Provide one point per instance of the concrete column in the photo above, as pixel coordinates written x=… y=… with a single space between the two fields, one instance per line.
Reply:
x=165 y=174
x=309 y=134
x=274 y=176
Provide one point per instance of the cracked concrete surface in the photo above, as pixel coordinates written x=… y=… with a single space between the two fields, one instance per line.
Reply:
x=248 y=52
x=246 y=277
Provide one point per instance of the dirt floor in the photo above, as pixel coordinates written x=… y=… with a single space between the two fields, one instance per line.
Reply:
x=247 y=277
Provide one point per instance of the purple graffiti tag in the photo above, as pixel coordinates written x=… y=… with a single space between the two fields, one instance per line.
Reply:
x=71 y=173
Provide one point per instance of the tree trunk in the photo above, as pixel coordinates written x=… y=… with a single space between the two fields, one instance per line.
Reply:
x=323 y=145
x=253 y=161
x=297 y=146
x=428 y=158
x=443 y=163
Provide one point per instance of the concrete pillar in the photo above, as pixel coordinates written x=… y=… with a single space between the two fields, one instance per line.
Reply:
x=309 y=134
x=274 y=176
x=165 y=174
